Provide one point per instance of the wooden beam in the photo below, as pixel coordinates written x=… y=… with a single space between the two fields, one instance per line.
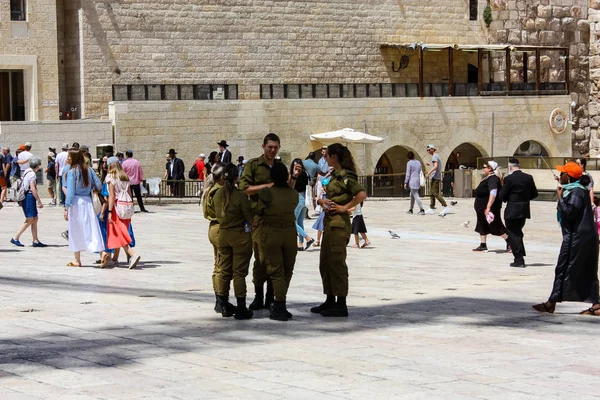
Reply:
x=567 y=75
x=451 y=71
x=538 y=72
x=507 y=70
x=421 y=93
x=479 y=71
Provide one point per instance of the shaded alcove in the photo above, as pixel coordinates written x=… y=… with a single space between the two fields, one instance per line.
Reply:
x=465 y=155
x=530 y=148
x=394 y=160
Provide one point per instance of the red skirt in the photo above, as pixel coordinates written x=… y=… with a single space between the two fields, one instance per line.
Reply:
x=117 y=232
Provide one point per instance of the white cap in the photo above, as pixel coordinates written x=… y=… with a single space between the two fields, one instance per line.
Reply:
x=201 y=155
x=430 y=146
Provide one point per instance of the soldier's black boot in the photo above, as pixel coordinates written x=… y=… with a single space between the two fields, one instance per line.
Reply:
x=278 y=311
x=218 y=308
x=241 y=312
x=270 y=296
x=258 y=302
x=329 y=302
x=338 y=310
x=227 y=309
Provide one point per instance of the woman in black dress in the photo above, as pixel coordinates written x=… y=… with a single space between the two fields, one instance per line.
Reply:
x=487 y=201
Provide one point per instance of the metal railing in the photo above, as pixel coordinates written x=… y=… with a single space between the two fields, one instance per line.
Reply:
x=176 y=189
x=392 y=185
x=538 y=162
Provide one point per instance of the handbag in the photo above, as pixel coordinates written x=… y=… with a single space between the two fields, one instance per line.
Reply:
x=422 y=180
x=96 y=203
x=308 y=198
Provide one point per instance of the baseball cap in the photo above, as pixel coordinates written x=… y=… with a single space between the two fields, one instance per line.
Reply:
x=84 y=147
x=324 y=148
x=202 y=155
x=430 y=146
x=572 y=169
x=112 y=160
x=22 y=147
x=27 y=144
x=65 y=146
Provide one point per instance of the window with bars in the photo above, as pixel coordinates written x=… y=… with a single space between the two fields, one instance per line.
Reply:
x=18 y=10
x=473 y=10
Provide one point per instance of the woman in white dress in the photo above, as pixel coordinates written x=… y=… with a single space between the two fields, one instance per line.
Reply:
x=84 y=231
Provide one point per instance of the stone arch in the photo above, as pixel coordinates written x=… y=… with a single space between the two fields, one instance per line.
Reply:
x=393 y=160
x=531 y=148
x=464 y=154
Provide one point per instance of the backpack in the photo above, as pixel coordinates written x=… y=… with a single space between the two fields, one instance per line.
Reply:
x=124 y=202
x=193 y=174
x=21 y=191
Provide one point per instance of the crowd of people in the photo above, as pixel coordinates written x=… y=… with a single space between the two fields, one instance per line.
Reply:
x=258 y=207
x=97 y=205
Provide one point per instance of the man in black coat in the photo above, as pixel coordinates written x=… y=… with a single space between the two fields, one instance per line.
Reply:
x=224 y=154
x=175 y=172
x=518 y=190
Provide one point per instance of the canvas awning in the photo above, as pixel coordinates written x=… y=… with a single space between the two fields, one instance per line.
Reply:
x=346 y=135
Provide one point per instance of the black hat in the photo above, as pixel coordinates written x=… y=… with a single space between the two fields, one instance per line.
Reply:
x=241 y=158
x=223 y=143
x=52 y=148
x=513 y=161
x=172 y=151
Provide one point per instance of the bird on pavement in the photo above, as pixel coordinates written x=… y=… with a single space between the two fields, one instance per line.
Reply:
x=394 y=235
x=465 y=224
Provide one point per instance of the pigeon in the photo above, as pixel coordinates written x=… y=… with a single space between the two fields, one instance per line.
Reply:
x=394 y=235
x=453 y=203
x=442 y=215
x=465 y=224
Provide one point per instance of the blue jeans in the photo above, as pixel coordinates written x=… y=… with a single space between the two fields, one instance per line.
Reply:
x=300 y=212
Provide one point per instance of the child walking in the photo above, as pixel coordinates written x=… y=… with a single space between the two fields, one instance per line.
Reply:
x=359 y=227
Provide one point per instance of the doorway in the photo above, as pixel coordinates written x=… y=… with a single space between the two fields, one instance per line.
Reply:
x=12 y=95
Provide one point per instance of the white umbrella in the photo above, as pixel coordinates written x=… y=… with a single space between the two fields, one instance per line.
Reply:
x=346 y=135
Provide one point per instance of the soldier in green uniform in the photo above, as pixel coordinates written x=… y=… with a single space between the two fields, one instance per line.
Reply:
x=234 y=243
x=276 y=207
x=257 y=176
x=343 y=192
x=213 y=182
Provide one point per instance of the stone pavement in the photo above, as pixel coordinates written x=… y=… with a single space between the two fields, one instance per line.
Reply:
x=428 y=319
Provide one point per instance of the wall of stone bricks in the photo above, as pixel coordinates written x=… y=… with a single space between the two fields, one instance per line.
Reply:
x=192 y=127
x=43 y=134
x=260 y=41
x=552 y=23
x=41 y=42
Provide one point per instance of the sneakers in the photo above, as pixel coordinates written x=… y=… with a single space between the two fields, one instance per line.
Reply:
x=431 y=211
x=422 y=212
x=38 y=244
x=52 y=202
x=445 y=211
x=481 y=248
x=17 y=243
x=409 y=212
x=133 y=261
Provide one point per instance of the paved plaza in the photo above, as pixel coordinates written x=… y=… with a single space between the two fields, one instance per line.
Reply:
x=429 y=319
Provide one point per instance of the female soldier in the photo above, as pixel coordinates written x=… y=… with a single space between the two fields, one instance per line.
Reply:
x=343 y=192
x=276 y=207
x=234 y=243
x=213 y=182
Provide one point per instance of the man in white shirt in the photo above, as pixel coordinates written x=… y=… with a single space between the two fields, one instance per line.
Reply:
x=61 y=160
x=24 y=158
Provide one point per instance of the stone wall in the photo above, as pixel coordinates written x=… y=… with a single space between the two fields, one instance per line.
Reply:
x=36 y=37
x=43 y=134
x=252 y=42
x=552 y=23
x=192 y=127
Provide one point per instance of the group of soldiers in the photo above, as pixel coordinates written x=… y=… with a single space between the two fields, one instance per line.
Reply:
x=255 y=215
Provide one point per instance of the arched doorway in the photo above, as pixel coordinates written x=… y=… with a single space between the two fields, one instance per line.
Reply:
x=393 y=161
x=530 y=148
x=464 y=155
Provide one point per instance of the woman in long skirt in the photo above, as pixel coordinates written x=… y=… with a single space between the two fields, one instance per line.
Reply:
x=84 y=231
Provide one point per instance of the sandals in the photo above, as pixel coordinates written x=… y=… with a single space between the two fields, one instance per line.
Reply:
x=355 y=246
x=317 y=244
x=592 y=311
x=72 y=264
x=365 y=244
x=544 y=307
